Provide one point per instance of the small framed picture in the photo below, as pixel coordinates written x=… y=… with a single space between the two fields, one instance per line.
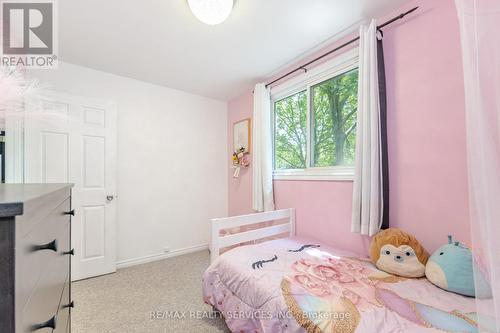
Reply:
x=242 y=133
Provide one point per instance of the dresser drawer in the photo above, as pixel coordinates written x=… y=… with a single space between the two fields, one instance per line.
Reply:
x=32 y=264
x=36 y=211
x=62 y=318
x=46 y=296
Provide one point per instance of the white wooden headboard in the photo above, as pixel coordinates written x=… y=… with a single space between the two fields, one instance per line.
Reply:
x=218 y=242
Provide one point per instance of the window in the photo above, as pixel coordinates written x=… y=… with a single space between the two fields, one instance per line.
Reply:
x=315 y=124
x=334 y=106
x=291 y=132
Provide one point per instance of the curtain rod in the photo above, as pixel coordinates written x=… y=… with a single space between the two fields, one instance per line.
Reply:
x=303 y=67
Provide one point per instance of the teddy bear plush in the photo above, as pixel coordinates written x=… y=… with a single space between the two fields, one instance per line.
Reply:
x=397 y=252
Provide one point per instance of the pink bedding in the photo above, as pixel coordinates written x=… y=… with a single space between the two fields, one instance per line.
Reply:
x=298 y=285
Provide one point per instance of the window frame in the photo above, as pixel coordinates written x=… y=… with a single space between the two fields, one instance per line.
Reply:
x=337 y=66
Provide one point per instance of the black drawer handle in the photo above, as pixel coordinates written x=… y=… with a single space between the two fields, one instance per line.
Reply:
x=70 y=305
x=49 y=246
x=71 y=252
x=51 y=323
x=71 y=212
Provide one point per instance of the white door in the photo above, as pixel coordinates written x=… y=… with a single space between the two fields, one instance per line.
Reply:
x=73 y=139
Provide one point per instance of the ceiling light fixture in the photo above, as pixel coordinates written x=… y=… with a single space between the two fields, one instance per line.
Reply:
x=211 y=11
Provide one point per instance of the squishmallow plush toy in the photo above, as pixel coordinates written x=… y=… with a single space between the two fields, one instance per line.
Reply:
x=450 y=268
x=396 y=252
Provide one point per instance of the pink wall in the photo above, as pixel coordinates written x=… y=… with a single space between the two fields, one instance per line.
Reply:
x=426 y=132
x=240 y=189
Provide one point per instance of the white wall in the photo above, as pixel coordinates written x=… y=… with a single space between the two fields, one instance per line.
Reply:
x=172 y=163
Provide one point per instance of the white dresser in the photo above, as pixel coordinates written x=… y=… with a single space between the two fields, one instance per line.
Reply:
x=35 y=251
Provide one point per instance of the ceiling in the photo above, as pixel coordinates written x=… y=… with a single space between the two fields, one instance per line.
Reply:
x=161 y=42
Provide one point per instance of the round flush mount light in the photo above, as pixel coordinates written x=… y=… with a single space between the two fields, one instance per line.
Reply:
x=211 y=11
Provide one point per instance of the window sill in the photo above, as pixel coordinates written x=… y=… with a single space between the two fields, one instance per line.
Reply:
x=316 y=174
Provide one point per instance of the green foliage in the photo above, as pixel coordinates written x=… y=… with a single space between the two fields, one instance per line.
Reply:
x=334 y=105
x=333 y=124
x=291 y=132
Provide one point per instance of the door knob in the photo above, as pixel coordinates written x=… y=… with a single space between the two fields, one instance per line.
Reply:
x=110 y=197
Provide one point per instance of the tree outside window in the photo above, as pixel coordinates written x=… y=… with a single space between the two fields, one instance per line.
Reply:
x=333 y=108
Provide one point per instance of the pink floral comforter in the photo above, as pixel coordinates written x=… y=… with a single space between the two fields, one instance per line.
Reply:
x=298 y=285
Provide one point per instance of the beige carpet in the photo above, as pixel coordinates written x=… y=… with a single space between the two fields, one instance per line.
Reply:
x=124 y=302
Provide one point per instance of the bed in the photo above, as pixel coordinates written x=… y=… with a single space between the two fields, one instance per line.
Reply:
x=300 y=285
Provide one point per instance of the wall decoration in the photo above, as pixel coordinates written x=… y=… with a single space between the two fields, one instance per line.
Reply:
x=242 y=135
x=240 y=160
x=241 y=145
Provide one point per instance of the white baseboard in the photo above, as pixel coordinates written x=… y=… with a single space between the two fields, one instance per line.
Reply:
x=160 y=256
